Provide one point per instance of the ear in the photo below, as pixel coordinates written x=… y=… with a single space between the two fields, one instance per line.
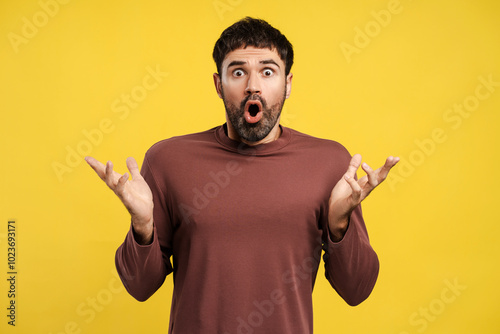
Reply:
x=288 y=85
x=217 y=83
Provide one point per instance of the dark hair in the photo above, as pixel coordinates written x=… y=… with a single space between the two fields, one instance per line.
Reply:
x=252 y=32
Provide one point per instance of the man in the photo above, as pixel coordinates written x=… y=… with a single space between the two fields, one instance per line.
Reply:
x=245 y=209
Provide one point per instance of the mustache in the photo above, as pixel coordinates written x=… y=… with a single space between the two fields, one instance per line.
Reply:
x=253 y=97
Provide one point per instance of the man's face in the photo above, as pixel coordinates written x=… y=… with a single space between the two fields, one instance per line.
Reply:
x=254 y=87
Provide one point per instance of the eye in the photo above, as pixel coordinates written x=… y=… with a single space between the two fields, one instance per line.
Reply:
x=268 y=72
x=238 y=73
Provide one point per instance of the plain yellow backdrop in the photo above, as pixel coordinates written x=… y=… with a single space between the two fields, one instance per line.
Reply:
x=419 y=79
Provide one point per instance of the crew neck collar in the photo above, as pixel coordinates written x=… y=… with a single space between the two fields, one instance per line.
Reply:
x=261 y=149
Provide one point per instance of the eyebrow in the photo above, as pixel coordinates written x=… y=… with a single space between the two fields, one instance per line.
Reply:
x=269 y=61
x=240 y=62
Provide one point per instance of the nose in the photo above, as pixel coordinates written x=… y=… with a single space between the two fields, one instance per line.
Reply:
x=253 y=84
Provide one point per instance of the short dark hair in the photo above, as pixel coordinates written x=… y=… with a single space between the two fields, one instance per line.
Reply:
x=252 y=32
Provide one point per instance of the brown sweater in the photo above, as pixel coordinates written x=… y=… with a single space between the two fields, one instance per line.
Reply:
x=242 y=229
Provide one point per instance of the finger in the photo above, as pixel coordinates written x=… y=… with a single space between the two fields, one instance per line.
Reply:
x=372 y=177
x=353 y=165
x=109 y=175
x=121 y=183
x=97 y=166
x=133 y=168
x=356 y=189
x=391 y=161
x=384 y=170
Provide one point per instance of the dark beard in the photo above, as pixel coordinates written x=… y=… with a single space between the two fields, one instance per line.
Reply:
x=256 y=131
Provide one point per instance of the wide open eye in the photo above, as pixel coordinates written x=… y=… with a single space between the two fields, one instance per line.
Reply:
x=268 y=72
x=238 y=73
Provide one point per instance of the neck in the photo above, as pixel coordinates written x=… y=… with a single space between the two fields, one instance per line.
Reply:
x=272 y=136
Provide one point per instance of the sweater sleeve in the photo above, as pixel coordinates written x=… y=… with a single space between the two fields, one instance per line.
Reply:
x=143 y=268
x=351 y=265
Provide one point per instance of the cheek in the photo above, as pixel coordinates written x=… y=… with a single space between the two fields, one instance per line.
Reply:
x=275 y=93
x=233 y=90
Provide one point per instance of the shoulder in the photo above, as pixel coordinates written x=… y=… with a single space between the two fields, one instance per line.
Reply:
x=181 y=144
x=304 y=141
x=325 y=157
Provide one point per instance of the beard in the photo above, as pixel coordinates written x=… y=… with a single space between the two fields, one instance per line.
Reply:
x=253 y=132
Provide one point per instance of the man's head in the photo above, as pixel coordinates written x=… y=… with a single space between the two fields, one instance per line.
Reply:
x=253 y=62
x=256 y=33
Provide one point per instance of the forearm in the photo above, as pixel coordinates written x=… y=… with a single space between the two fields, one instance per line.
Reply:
x=141 y=267
x=337 y=229
x=351 y=265
x=143 y=232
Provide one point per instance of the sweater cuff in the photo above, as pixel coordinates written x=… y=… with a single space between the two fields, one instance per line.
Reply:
x=131 y=236
x=344 y=240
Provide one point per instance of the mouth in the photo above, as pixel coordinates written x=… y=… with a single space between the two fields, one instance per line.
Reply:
x=253 y=111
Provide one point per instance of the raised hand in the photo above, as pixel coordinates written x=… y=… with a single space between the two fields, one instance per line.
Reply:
x=135 y=194
x=349 y=192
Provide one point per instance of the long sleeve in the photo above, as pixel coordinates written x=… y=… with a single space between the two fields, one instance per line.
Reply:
x=143 y=268
x=351 y=265
x=242 y=228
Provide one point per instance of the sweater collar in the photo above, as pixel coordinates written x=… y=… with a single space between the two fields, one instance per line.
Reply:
x=242 y=148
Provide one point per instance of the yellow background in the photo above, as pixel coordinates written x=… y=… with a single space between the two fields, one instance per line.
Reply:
x=433 y=223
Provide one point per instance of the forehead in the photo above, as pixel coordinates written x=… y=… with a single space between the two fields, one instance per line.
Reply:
x=251 y=54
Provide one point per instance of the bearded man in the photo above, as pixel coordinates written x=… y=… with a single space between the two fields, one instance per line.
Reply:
x=242 y=213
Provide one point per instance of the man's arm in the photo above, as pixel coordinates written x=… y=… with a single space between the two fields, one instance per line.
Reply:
x=348 y=193
x=135 y=194
x=141 y=268
x=139 y=260
x=351 y=263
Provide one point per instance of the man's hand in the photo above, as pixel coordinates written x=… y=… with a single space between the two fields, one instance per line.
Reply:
x=135 y=194
x=348 y=193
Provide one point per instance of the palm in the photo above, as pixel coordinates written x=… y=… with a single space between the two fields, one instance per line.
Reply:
x=341 y=200
x=137 y=197
x=135 y=194
x=349 y=192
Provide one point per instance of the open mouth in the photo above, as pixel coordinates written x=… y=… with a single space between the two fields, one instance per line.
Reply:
x=253 y=111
